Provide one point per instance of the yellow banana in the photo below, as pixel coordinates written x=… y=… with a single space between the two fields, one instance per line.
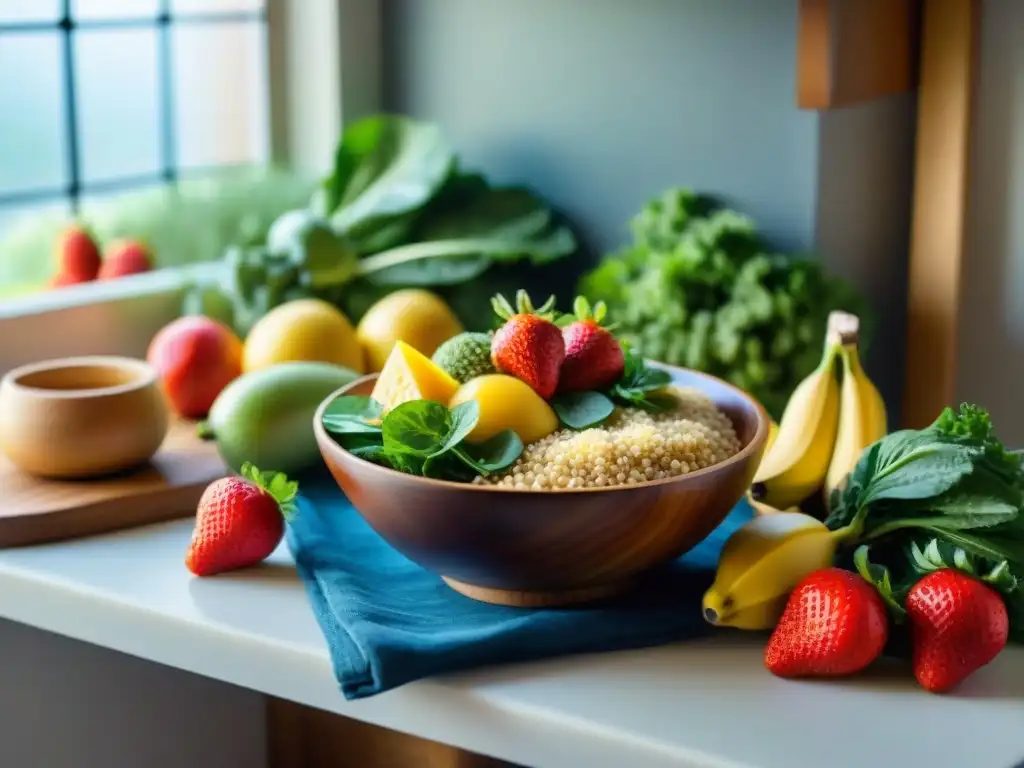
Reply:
x=761 y=563
x=862 y=419
x=798 y=460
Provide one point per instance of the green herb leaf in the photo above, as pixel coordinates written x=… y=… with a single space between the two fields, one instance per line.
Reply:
x=416 y=428
x=352 y=413
x=464 y=418
x=494 y=455
x=366 y=445
x=580 y=410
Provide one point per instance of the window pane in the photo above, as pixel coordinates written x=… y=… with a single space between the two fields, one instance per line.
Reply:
x=221 y=93
x=29 y=10
x=118 y=103
x=31 y=113
x=215 y=6
x=114 y=9
x=12 y=216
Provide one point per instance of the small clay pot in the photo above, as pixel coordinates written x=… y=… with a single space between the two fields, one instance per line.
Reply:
x=81 y=417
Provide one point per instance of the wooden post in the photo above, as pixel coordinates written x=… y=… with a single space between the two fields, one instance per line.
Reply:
x=851 y=51
x=938 y=234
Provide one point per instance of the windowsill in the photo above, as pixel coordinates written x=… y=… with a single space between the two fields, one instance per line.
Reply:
x=117 y=317
x=704 y=703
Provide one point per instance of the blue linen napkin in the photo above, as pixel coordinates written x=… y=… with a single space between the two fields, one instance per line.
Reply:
x=388 y=622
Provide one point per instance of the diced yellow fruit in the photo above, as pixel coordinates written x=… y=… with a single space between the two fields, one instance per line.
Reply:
x=506 y=403
x=408 y=375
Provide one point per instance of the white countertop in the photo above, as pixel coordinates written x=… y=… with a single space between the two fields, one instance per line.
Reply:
x=707 y=703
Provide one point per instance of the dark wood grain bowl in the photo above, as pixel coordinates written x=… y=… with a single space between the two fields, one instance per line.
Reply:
x=558 y=547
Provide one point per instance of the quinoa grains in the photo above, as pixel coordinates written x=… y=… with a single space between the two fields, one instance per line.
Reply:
x=632 y=447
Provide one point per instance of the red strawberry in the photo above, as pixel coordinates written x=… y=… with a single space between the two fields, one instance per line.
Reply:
x=78 y=256
x=240 y=521
x=593 y=357
x=528 y=346
x=125 y=257
x=834 y=624
x=957 y=626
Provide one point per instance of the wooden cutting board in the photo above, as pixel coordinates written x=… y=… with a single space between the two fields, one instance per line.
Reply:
x=34 y=510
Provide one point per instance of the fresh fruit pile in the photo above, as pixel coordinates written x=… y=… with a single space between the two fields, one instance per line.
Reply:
x=941 y=513
x=469 y=411
x=79 y=260
x=258 y=399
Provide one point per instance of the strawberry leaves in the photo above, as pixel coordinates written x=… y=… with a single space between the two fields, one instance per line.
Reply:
x=276 y=484
x=524 y=306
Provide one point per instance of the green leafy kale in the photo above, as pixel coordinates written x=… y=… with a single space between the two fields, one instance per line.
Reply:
x=395 y=211
x=699 y=287
x=949 y=495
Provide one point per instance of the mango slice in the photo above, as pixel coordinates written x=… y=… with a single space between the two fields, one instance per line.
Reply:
x=506 y=403
x=409 y=375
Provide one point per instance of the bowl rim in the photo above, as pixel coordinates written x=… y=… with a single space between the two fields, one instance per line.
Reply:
x=143 y=375
x=756 y=442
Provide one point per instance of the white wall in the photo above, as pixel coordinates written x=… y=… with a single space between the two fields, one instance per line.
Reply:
x=991 y=357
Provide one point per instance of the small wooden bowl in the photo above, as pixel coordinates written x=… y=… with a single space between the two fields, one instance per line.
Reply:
x=81 y=416
x=559 y=547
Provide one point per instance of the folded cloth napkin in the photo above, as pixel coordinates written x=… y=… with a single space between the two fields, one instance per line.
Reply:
x=387 y=621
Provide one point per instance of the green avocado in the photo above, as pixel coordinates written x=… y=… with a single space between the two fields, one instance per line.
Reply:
x=266 y=417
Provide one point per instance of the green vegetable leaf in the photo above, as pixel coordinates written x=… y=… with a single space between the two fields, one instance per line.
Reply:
x=494 y=455
x=464 y=418
x=879 y=577
x=385 y=166
x=366 y=445
x=580 y=410
x=416 y=428
x=352 y=414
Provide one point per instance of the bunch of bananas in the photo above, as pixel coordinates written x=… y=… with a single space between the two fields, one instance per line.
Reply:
x=824 y=430
x=825 y=426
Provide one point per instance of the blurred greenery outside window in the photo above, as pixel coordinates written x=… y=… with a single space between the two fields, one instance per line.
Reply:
x=145 y=118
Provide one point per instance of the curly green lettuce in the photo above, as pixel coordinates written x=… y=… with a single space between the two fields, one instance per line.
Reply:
x=698 y=287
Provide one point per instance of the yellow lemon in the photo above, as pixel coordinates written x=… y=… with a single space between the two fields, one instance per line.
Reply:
x=419 y=318
x=302 y=330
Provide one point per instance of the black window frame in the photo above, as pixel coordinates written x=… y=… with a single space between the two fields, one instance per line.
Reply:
x=67 y=25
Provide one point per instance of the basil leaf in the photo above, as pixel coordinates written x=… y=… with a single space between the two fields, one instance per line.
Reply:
x=464 y=418
x=494 y=455
x=579 y=410
x=366 y=446
x=418 y=427
x=352 y=414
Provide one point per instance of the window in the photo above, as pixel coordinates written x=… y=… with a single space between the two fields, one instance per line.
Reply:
x=103 y=96
x=230 y=81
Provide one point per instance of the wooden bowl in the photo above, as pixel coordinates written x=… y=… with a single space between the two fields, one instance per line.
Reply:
x=81 y=416
x=558 y=547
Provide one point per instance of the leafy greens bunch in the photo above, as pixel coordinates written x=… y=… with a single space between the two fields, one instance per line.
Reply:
x=420 y=437
x=949 y=495
x=698 y=287
x=397 y=210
